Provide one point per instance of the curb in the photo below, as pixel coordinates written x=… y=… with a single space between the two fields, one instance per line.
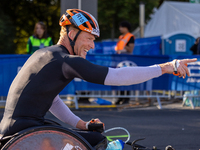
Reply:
x=95 y=106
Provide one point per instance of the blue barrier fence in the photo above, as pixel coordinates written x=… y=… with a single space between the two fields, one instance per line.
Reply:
x=11 y=64
x=142 y=46
x=9 y=67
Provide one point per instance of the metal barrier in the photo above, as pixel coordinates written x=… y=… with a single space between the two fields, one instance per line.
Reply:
x=191 y=97
x=11 y=64
x=113 y=95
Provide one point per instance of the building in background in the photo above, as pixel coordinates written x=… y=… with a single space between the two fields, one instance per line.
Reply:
x=178 y=24
x=171 y=17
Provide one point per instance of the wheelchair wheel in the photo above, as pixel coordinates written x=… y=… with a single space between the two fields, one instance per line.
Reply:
x=47 y=138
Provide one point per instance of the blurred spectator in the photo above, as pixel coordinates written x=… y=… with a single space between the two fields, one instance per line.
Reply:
x=125 y=45
x=39 y=39
x=196 y=47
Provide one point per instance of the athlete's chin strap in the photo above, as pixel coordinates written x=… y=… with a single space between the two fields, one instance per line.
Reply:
x=72 y=43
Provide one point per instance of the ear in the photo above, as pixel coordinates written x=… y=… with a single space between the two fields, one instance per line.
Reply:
x=71 y=34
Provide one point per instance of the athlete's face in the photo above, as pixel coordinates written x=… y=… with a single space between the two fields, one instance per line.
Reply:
x=84 y=42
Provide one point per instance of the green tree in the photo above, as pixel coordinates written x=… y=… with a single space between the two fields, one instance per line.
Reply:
x=25 y=13
x=18 y=17
x=7 y=34
x=111 y=13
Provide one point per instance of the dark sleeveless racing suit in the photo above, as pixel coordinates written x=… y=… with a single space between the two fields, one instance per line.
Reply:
x=40 y=80
x=43 y=77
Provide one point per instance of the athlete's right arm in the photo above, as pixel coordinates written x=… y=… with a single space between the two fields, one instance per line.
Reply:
x=77 y=67
x=135 y=75
x=131 y=75
x=81 y=68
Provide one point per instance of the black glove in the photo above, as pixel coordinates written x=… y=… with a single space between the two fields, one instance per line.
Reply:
x=94 y=125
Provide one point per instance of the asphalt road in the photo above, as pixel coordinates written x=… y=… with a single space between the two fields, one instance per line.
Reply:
x=177 y=127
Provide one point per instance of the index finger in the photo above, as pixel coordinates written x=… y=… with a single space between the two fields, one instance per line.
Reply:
x=97 y=120
x=189 y=60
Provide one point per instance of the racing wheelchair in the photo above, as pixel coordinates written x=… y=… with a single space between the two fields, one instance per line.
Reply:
x=45 y=138
x=50 y=137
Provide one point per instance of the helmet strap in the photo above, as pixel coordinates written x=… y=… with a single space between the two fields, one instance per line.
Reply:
x=72 y=42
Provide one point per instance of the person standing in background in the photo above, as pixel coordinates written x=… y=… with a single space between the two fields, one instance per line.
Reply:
x=196 y=47
x=39 y=39
x=125 y=45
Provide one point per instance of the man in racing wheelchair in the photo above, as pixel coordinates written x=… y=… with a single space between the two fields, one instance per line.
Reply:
x=35 y=89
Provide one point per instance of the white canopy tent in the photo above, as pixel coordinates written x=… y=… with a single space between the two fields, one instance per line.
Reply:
x=175 y=17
